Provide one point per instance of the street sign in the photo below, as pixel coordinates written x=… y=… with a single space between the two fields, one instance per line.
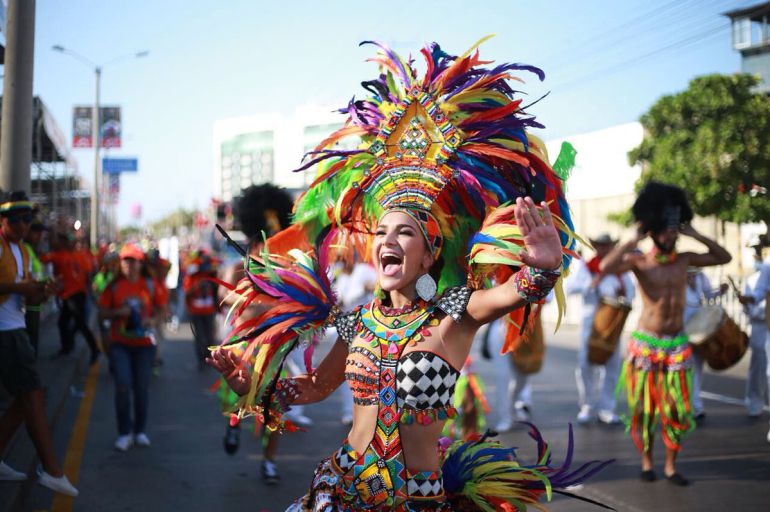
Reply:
x=119 y=165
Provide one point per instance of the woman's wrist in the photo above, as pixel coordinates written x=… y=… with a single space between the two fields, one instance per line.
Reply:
x=534 y=284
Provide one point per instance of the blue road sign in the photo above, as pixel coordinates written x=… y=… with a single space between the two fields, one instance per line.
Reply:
x=119 y=165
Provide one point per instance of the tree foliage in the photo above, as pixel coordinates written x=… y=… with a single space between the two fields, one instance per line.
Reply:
x=713 y=140
x=173 y=221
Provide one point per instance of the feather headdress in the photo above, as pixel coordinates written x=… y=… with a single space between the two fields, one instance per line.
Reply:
x=451 y=142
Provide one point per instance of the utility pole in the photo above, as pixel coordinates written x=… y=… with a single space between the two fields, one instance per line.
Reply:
x=96 y=132
x=16 y=143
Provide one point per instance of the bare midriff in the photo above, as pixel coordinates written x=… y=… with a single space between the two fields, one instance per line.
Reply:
x=419 y=442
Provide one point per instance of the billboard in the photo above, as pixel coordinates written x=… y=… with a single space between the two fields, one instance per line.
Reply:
x=110 y=130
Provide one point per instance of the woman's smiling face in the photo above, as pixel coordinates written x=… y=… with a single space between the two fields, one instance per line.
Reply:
x=400 y=253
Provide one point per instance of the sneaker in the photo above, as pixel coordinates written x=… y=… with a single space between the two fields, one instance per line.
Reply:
x=504 y=425
x=8 y=474
x=56 y=484
x=270 y=472
x=523 y=413
x=232 y=439
x=141 y=439
x=123 y=443
x=678 y=480
x=768 y=436
x=585 y=414
x=347 y=420
x=608 y=417
x=647 y=475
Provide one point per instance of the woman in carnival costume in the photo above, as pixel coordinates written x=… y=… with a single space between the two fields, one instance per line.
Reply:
x=440 y=157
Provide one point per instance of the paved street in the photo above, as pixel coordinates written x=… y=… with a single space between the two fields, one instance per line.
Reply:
x=187 y=469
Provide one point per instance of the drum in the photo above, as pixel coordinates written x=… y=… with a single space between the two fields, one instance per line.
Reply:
x=528 y=356
x=716 y=338
x=609 y=320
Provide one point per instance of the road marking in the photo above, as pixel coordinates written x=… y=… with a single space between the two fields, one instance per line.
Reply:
x=74 y=455
x=726 y=399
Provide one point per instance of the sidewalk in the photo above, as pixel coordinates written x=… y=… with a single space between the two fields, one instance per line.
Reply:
x=58 y=375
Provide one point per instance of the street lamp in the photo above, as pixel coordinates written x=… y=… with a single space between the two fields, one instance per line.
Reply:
x=95 y=135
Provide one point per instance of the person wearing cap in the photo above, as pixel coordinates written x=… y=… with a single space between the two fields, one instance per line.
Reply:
x=596 y=383
x=754 y=305
x=18 y=368
x=72 y=279
x=698 y=292
x=131 y=303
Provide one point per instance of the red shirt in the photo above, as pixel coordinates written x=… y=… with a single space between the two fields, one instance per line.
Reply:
x=200 y=294
x=68 y=269
x=143 y=297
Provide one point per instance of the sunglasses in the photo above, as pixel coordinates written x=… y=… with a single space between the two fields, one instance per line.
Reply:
x=25 y=218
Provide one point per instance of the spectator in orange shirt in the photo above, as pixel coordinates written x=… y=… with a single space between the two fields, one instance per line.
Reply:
x=73 y=281
x=131 y=302
x=201 y=301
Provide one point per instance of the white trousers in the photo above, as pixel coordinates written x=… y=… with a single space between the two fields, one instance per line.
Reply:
x=512 y=388
x=596 y=383
x=758 y=378
x=697 y=378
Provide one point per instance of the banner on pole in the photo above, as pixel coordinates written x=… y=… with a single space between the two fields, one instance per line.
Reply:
x=119 y=165
x=113 y=188
x=82 y=134
x=110 y=129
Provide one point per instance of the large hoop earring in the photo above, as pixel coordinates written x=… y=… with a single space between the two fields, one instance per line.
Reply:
x=426 y=287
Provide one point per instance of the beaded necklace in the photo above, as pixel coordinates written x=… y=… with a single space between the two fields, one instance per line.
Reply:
x=396 y=327
x=663 y=258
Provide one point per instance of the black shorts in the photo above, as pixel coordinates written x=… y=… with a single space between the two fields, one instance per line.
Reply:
x=18 y=368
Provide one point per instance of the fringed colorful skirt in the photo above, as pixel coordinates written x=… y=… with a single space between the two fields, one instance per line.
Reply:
x=657 y=376
x=476 y=475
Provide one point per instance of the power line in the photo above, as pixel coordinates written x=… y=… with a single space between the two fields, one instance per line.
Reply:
x=609 y=70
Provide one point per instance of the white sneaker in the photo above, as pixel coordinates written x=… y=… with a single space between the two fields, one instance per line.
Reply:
x=504 y=425
x=141 y=439
x=768 y=436
x=123 y=443
x=522 y=413
x=60 y=484
x=608 y=417
x=347 y=420
x=585 y=414
x=8 y=474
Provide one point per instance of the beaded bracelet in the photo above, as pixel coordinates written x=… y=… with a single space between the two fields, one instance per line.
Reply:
x=533 y=284
x=285 y=393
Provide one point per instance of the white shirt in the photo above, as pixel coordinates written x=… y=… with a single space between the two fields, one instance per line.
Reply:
x=761 y=286
x=352 y=288
x=12 y=310
x=695 y=294
x=611 y=286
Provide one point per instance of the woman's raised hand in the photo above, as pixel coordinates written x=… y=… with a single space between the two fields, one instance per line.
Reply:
x=543 y=247
x=227 y=363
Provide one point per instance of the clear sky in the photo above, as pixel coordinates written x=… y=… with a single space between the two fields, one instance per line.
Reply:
x=606 y=62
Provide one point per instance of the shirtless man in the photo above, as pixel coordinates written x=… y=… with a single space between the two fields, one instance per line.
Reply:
x=659 y=345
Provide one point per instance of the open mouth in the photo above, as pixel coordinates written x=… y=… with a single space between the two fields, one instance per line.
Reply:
x=390 y=263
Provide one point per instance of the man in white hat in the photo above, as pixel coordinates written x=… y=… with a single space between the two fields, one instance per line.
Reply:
x=596 y=383
x=754 y=300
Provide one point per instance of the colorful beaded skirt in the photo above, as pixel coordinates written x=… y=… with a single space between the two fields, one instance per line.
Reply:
x=657 y=377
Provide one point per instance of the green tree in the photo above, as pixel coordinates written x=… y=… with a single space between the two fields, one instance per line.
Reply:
x=173 y=221
x=713 y=140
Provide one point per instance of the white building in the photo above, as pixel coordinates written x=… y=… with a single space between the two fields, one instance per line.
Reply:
x=267 y=148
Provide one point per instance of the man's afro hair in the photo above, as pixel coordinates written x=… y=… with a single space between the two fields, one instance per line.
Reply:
x=655 y=203
x=257 y=204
